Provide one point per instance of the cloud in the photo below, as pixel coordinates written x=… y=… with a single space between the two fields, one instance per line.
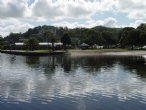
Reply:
x=137 y=23
x=136 y=15
x=80 y=9
x=136 y=9
x=13 y=9
x=53 y=10
x=44 y=10
x=14 y=26
x=109 y=22
x=13 y=13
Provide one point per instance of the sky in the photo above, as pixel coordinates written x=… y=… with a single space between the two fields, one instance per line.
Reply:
x=19 y=15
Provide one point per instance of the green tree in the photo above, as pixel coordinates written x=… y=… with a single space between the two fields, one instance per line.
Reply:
x=142 y=26
x=109 y=38
x=31 y=42
x=101 y=40
x=1 y=42
x=143 y=37
x=121 y=32
x=133 y=37
x=65 y=39
x=89 y=36
x=48 y=34
x=123 y=39
x=53 y=40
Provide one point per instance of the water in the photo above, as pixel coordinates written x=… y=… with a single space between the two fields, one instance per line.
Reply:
x=72 y=83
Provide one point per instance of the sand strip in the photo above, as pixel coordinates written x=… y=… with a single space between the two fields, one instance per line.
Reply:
x=106 y=52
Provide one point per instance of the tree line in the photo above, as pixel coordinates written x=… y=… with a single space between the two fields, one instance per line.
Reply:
x=100 y=35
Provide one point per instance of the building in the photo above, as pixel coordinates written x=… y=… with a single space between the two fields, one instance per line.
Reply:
x=41 y=46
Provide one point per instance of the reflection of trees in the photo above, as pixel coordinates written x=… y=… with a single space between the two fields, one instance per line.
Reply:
x=93 y=64
x=12 y=59
x=67 y=64
x=87 y=63
x=49 y=68
x=134 y=64
x=90 y=64
x=31 y=60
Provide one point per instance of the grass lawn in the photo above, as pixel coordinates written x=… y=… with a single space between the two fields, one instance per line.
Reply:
x=45 y=51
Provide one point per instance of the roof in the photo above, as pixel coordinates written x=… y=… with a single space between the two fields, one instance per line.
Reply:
x=84 y=45
x=42 y=43
x=19 y=44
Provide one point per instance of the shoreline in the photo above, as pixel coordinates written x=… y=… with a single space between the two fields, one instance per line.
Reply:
x=32 y=53
x=106 y=52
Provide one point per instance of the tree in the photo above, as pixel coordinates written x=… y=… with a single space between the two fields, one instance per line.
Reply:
x=50 y=37
x=142 y=26
x=123 y=39
x=48 y=34
x=89 y=36
x=53 y=39
x=101 y=40
x=31 y=42
x=121 y=32
x=143 y=38
x=133 y=37
x=109 y=38
x=65 y=39
x=1 y=42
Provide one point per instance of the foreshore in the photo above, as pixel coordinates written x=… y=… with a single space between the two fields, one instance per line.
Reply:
x=106 y=52
x=80 y=52
x=32 y=53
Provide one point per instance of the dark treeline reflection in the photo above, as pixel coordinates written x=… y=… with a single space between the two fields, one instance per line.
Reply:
x=90 y=64
x=134 y=64
x=32 y=60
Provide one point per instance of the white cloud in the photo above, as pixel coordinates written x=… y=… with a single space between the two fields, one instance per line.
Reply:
x=19 y=26
x=134 y=24
x=13 y=12
x=69 y=8
x=49 y=10
x=137 y=15
x=137 y=23
x=13 y=9
x=14 y=26
x=136 y=9
x=42 y=10
x=109 y=22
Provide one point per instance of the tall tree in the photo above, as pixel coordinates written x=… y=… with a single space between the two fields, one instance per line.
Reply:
x=65 y=39
x=121 y=32
x=48 y=34
x=142 y=26
x=143 y=37
x=101 y=40
x=53 y=40
x=123 y=38
x=133 y=37
x=109 y=38
x=89 y=36
x=31 y=42
x=1 y=42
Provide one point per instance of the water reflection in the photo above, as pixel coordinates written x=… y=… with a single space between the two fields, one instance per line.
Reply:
x=79 y=80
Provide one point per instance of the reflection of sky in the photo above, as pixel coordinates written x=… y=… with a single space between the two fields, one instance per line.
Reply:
x=21 y=82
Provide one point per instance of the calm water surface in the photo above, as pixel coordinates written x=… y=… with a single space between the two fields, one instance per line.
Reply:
x=72 y=83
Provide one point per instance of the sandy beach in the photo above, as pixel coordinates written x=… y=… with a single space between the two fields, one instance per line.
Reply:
x=106 y=52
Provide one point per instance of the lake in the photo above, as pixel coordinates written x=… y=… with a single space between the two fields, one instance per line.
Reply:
x=72 y=82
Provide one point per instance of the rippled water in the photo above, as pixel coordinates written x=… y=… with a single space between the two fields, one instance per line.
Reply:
x=72 y=83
